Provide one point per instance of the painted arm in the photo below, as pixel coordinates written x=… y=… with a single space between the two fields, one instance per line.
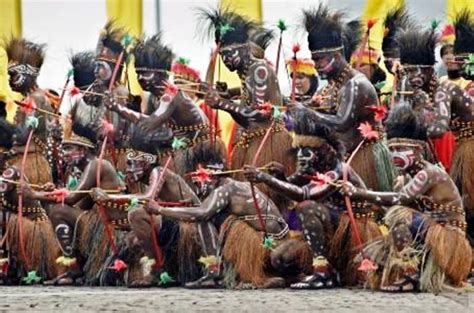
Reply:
x=345 y=116
x=154 y=187
x=217 y=201
x=407 y=194
x=439 y=115
x=309 y=191
x=86 y=183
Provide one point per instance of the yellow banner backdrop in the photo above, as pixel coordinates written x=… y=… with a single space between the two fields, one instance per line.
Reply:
x=128 y=14
x=253 y=10
x=10 y=25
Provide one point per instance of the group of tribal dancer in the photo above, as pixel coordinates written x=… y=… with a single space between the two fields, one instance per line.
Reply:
x=360 y=183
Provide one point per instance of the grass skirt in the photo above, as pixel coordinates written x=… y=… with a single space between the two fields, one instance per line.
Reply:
x=277 y=148
x=344 y=247
x=374 y=165
x=41 y=247
x=37 y=168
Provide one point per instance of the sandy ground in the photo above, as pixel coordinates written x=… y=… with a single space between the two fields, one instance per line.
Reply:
x=85 y=299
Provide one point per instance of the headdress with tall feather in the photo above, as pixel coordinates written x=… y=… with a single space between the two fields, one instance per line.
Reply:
x=325 y=29
x=404 y=122
x=227 y=26
x=153 y=54
x=396 y=20
x=110 y=41
x=260 y=39
x=417 y=47
x=83 y=68
x=464 y=28
x=309 y=132
x=22 y=51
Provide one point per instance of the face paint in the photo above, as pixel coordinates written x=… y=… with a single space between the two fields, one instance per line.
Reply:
x=73 y=155
x=324 y=63
x=151 y=81
x=306 y=158
x=135 y=170
x=22 y=76
x=403 y=158
x=416 y=76
x=103 y=70
x=233 y=57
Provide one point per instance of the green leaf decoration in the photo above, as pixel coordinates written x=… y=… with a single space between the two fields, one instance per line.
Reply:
x=183 y=60
x=32 y=122
x=277 y=113
x=126 y=40
x=165 y=278
x=72 y=182
x=224 y=29
x=268 y=242
x=129 y=59
x=435 y=23
x=31 y=278
x=468 y=66
x=380 y=85
x=282 y=25
x=178 y=143
x=133 y=204
x=70 y=72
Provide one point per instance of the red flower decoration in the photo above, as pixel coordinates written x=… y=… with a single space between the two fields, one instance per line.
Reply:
x=368 y=132
x=171 y=89
x=370 y=23
x=59 y=195
x=201 y=174
x=367 y=266
x=266 y=107
x=296 y=48
x=119 y=266
x=107 y=127
x=320 y=179
x=28 y=106
x=74 y=91
x=380 y=112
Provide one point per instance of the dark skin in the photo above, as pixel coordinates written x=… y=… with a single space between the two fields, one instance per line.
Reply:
x=449 y=102
x=64 y=217
x=259 y=85
x=11 y=192
x=104 y=72
x=426 y=179
x=229 y=196
x=171 y=188
x=316 y=199
x=355 y=94
x=177 y=109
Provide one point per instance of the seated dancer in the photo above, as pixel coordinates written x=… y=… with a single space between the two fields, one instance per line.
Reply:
x=349 y=97
x=32 y=246
x=305 y=76
x=259 y=87
x=79 y=223
x=25 y=59
x=321 y=206
x=173 y=108
x=228 y=207
x=446 y=105
x=176 y=240
x=426 y=246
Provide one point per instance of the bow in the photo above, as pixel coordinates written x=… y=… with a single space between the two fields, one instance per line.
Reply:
x=20 y=202
x=156 y=246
